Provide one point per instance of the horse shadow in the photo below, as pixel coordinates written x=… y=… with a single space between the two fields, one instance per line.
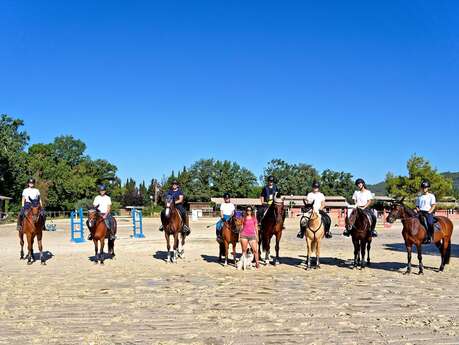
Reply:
x=211 y=258
x=349 y=264
x=160 y=255
x=46 y=255
x=105 y=256
x=427 y=249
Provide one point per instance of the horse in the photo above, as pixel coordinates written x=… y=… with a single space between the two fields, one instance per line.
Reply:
x=314 y=232
x=32 y=226
x=414 y=233
x=99 y=231
x=230 y=234
x=272 y=224
x=172 y=224
x=359 y=223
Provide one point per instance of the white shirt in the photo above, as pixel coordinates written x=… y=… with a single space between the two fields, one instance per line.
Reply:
x=317 y=198
x=227 y=208
x=425 y=201
x=361 y=198
x=32 y=193
x=103 y=202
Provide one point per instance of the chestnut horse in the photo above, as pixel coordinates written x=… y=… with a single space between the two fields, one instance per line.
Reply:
x=99 y=231
x=359 y=223
x=172 y=225
x=272 y=224
x=414 y=232
x=32 y=226
x=230 y=234
x=314 y=232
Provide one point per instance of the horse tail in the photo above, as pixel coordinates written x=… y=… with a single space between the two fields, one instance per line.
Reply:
x=448 y=253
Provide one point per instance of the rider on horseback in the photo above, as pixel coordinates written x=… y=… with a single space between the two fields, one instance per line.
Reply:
x=267 y=197
x=226 y=212
x=318 y=199
x=363 y=199
x=177 y=195
x=28 y=194
x=103 y=204
x=425 y=206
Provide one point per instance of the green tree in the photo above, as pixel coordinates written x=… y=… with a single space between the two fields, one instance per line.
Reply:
x=13 y=159
x=293 y=179
x=419 y=169
x=337 y=183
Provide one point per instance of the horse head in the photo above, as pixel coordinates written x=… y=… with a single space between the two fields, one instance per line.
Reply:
x=278 y=205
x=397 y=211
x=35 y=209
x=351 y=220
x=170 y=205
x=93 y=215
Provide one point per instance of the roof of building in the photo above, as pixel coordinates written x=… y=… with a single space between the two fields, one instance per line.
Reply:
x=238 y=201
x=4 y=198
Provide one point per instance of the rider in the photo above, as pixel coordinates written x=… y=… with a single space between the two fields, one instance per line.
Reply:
x=267 y=197
x=28 y=194
x=226 y=212
x=103 y=203
x=318 y=199
x=179 y=199
x=363 y=199
x=425 y=206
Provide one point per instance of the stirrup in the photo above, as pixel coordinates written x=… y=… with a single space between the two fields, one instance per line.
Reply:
x=161 y=228
x=300 y=234
x=328 y=235
x=346 y=233
x=374 y=233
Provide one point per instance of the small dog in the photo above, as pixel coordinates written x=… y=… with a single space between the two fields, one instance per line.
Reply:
x=245 y=263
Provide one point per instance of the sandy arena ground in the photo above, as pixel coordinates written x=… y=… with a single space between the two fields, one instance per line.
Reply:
x=139 y=299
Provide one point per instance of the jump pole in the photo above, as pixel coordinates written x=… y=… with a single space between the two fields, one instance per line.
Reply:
x=137 y=226
x=77 y=227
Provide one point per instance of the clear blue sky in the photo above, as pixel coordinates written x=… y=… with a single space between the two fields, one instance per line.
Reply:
x=152 y=86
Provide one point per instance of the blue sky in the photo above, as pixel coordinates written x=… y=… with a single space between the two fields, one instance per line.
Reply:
x=152 y=86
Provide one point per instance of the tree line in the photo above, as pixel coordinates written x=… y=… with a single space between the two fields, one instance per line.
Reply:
x=67 y=177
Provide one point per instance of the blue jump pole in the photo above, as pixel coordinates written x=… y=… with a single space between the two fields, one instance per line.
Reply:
x=137 y=227
x=77 y=227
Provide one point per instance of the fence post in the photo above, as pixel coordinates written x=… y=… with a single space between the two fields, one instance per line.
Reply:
x=76 y=226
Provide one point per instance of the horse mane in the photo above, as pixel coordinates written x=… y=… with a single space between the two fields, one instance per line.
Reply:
x=409 y=211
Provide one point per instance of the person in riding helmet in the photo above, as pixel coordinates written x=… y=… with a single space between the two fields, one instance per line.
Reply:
x=363 y=199
x=318 y=199
x=267 y=197
x=103 y=203
x=29 y=194
x=425 y=206
x=226 y=213
x=175 y=192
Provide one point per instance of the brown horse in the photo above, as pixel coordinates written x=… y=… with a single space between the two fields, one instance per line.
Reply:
x=230 y=234
x=414 y=232
x=32 y=226
x=314 y=232
x=99 y=231
x=172 y=224
x=359 y=223
x=272 y=224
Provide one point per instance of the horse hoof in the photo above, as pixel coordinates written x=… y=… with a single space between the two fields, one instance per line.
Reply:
x=318 y=267
x=441 y=269
x=421 y=273
x=29 y=262
x=407 y=273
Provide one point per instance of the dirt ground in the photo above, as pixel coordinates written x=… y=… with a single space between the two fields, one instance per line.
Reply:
x=139 y=299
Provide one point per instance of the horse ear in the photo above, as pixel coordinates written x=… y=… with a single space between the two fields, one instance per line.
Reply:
x=304 y=202
x=30 y=199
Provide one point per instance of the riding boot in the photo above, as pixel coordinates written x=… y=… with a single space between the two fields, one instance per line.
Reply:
x=219 y=236
x=161 y=228
x=328 y=234
x=300 y=233
x=428 y=238
x=347 y=232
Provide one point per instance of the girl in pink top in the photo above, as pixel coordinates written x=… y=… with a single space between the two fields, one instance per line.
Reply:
x=249 y=234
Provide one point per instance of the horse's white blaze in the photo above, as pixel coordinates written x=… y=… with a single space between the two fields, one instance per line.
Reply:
x=168 y=211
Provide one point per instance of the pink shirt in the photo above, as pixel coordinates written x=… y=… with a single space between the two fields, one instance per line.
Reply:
x=250 y=227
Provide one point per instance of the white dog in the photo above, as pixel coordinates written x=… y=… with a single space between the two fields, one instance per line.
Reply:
x=245 y=263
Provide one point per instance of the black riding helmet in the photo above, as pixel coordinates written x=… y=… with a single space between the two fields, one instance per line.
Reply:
x=226 y=196
x=31 y=180
x=425 y=184
x=316 y=184
x=271 y=178
x=102 y=187
x=360 y=180
x=175 y=182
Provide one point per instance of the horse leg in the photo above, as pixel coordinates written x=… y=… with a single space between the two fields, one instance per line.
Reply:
x=96 y=252
x=234 y=252
x=168 y=246
x=419 y=250
x=442 y=248
x=182 y=249
x=30 y=257
x=368 y=253
x=40 y=248
x=308 y=254
x=318 y=253
x=278 y=238
x=408 y=251
x=21 y=242
x=176 y=243
x=102 y=245
x=356 y=251
x=226 y=244
x=111 y=247
x=363 y=245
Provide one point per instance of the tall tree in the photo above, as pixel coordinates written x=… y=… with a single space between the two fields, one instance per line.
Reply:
x=337 y=183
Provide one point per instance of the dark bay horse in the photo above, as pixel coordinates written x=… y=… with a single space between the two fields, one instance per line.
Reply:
x=272 y=224
x=359 y=223
x=172 y=225
x=99 y=231
x=414 y=232
x=230 y=234
x=32 y=226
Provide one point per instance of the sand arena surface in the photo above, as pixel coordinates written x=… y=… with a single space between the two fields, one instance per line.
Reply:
x=139 y=299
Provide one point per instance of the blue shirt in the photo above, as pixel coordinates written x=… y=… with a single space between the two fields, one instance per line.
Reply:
x=268 y=193
x=175 y=194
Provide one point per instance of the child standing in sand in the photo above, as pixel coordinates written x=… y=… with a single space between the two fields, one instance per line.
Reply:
x=249 y=234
